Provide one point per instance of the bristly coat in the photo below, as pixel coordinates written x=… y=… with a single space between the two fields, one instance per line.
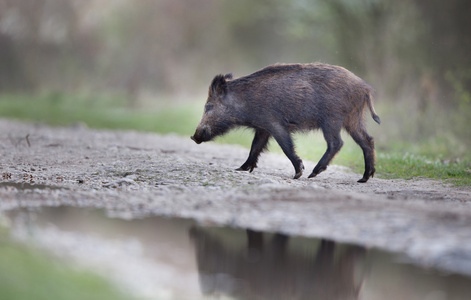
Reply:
x=284 y=98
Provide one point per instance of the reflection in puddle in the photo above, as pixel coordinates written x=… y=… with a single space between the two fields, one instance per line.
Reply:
x=274 y=271
x=159 y=258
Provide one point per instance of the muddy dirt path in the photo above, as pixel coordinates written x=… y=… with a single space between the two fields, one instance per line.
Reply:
x=137 y=174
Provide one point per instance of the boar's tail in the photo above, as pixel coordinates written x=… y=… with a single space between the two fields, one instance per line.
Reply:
x=372 y=109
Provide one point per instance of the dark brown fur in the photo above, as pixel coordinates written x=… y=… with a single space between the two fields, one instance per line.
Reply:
x=281 y=99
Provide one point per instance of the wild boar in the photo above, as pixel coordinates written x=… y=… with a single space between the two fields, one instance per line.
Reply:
x=285 y=98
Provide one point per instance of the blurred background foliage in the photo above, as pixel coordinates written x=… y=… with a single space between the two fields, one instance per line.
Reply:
x=156 y=53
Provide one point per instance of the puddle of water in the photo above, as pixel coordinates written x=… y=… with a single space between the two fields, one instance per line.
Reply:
x=159 y=258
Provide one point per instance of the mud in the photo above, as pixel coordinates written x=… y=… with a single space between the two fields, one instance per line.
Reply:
x=135 y=174
x=171 y=258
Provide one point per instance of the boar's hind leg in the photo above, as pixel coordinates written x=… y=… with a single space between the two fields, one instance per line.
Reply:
x=283 y=138
x=334 y=143
x=366 y=142
x=259 y=144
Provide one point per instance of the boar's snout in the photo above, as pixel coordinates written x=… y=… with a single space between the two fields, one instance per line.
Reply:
x=202 y=134
x=194 y=139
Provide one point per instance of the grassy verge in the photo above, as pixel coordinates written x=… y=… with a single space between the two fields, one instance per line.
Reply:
x=27 y=274
x=409 y=166
x=400 y=160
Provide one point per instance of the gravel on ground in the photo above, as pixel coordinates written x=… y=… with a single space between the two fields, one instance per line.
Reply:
x=137 y=174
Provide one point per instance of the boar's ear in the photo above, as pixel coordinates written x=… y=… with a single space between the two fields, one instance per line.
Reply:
x=228 y=76
x=218 y=86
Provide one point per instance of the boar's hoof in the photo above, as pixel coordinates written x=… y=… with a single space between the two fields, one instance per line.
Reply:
x=300 y=171
x=316 y=171
x=246 y=168
x=367 y=175
x=298 y=175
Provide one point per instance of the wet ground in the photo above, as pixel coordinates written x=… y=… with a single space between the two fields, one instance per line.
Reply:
x=136 y=175
x=172 y=258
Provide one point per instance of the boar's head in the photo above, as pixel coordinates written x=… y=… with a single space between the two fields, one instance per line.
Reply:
x=218 y=116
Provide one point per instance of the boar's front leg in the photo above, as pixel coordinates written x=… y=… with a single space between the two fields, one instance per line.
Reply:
x=259 y=144
x=283 y=138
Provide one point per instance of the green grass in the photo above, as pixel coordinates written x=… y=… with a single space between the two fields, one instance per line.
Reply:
x=396 y=159
x=425 y=159
x=27 y=274
x=409 y=166
x=99 y=112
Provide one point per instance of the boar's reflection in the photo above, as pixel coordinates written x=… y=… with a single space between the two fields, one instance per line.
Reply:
x=268 y=270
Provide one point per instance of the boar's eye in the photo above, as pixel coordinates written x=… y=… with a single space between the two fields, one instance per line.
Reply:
x=208 y=107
